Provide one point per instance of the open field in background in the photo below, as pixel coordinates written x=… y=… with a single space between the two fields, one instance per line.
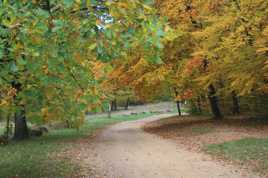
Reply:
x=42 y=157
x=162 y=107
x=238 y=140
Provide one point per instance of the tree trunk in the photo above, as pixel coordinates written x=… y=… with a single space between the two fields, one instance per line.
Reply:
x=178 y=102
x=68 y=125
x=109 y=110
x=114 y=105
x=214 y=103
x=199 y=106
x=236 y=106
x=179 y=107
x=127 y=104
x=21 y=129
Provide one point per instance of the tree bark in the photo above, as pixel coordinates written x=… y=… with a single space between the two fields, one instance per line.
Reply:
x=178 y=103
x=68 y=125
x=199 y=106
x=109 y=111
x=114 y=105
x=236 y=106
x=179 y=107
x=214 y=103
x=21 y=129
x=127 y=104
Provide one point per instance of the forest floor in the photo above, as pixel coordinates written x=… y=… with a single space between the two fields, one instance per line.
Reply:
x=127 y=150
x=238 y=141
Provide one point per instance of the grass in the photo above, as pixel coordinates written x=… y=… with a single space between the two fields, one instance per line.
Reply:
x=32 y=158
x=246 y=151
x=2 y=129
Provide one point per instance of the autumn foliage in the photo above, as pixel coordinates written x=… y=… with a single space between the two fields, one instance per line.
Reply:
x=60 y=59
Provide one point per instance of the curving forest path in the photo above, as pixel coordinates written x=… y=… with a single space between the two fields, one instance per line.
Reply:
x=124 y=150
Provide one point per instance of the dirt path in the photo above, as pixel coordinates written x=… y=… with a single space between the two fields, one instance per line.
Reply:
x=126 y=151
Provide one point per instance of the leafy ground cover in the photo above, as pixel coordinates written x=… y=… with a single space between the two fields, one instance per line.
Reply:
x=38 y=157
x=237 y=140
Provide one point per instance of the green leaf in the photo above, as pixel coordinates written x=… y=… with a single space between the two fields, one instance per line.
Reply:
x=68 y=3
x=148 y=2
x=59 y=24
x=22 y=62
x=13 y=67
x=42 y=13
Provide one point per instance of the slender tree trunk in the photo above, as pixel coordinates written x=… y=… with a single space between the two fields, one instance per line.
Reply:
x=214 y=103
x=179 y=107
x=114 y=105
x=127 y=104
x=178 y=103
x=199 y=106
x=109 y=110
x=236 y=106
x=21 y=129
x=68 y=125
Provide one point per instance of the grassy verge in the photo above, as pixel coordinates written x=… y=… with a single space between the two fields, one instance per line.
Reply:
x=250 y=151
x=31 y=158
x=2 y=129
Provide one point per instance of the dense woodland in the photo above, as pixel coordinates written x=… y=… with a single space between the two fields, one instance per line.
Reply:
x=214 y=54
x=62 y=58
x=219 y=58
